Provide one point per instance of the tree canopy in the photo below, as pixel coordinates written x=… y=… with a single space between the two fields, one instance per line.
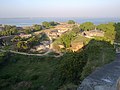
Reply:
x=22 y=46
x=48 y=25
x=37 y=27
x=87 y=26
x=109 y=31
x=9 y=30
x=117 y=29
x=67 y=38
x=71 y=22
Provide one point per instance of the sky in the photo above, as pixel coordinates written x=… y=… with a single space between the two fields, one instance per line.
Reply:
x=59 y=8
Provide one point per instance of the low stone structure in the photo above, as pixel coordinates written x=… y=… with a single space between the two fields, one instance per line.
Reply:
x=44 y=45
x=61 y=46
x=105 y=78
x=93 y=33
x=56 y=33
x=118 y=50
x=22 y=35
x=76 y=46
x=53 y=33
x=63 y=26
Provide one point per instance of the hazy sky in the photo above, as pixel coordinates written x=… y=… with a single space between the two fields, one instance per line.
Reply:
x=59 y=8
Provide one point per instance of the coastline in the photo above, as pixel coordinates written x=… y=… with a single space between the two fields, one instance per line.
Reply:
x=36 y=20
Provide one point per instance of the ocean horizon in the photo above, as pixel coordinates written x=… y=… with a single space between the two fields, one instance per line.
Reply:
x=31 y=21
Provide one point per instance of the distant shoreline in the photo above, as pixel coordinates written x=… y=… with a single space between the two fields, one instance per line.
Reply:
x=27 y=21
x=60 y=17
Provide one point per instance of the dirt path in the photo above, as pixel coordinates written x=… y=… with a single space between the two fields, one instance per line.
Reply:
x=44 y=54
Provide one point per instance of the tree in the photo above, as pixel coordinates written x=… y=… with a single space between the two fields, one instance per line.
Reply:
x=43 y=37
x=13 y=31
x=71 y=22
x=22 y=46
x=87 y=26
x=33 y=41
x=70 y=67
x=46 y=24
x=109 y=31
x=76 y=29
x=27 y=31
x=37 y=27
x=9 y=30
x=117 y=29
x=16 y=39
x=67 y=38
x=52 y=23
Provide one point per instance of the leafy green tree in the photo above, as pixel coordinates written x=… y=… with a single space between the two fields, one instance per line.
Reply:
x=67 y=38
x=46 y=24
x=27 y=31
x=16 y=39
x=76 y=29
x=87 y=26
x=117 y=29
x=33 y=41
x=9 y=30
x=52 y=23
x=109 y=31
x=22 y=46
x=37 y=27
x=71 y=22
x=70 y=67
x=43 y=37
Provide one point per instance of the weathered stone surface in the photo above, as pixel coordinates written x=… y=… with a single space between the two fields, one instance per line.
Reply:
x=118 y=84
x=105 y=78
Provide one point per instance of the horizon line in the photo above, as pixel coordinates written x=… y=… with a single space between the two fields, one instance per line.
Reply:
x=52 y=17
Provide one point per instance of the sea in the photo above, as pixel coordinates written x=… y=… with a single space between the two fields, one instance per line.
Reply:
x=32 y=21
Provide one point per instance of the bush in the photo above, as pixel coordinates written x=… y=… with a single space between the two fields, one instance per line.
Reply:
x=70 y=67
x=109 y=31
x=99 y=53
x=71 y=22
x=87 y=26
x=34 y=77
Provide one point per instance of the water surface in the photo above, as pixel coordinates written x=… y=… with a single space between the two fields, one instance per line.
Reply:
x=31 y=21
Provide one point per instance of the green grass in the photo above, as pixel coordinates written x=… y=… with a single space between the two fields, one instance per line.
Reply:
x=27 y=73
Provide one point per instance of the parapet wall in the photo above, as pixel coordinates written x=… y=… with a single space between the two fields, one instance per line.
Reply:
x=105 y=78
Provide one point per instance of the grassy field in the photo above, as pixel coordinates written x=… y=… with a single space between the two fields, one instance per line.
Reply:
x=27 y=73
